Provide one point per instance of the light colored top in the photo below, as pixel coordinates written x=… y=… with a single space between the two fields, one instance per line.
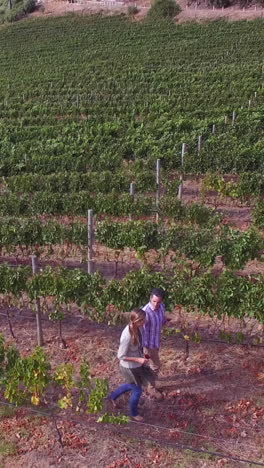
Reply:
x=155 y=319
x=128 y=349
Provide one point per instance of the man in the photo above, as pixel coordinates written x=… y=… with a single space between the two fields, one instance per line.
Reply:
x=155 y=319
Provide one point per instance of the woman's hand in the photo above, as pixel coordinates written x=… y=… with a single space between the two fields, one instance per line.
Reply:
x=139 y=360
x=142 y=360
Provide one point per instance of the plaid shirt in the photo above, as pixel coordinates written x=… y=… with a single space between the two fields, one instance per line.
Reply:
x=152 y=328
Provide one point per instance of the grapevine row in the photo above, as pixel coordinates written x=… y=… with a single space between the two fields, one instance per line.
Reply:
x=67 y=182
x=13 y=204
x=248 y=183
x=228 y=294
x=202 y=244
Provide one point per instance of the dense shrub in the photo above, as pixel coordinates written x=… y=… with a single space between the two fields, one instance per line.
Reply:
x=220 y=3
x=14 y=14
x=18 y=10
x=132 y=10
x=29 y=6
x=164 y=9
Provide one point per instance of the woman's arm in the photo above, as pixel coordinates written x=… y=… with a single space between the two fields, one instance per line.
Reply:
x=125 y=341
x=124 y=344
x=139 y=360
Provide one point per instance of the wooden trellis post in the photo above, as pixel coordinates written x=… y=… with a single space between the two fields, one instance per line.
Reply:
x=40 y=340
x=158 y=189
x=90 y=253
x=199 y=143
x=181 y=176
x=132 y=195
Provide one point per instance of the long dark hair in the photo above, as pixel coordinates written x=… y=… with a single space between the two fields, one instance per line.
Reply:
x=136 y=315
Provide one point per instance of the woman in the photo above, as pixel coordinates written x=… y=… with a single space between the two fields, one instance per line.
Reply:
x=133 y=363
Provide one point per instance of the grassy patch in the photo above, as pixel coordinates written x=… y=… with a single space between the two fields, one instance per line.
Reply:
x=7 y=411
x=7 y=448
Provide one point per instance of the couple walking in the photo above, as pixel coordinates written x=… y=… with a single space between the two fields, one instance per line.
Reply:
x=138 y=352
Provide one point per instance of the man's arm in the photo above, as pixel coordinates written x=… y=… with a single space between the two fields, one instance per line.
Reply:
x=166 y=318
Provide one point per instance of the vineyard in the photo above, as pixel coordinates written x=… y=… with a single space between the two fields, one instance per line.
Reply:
x=157 y=149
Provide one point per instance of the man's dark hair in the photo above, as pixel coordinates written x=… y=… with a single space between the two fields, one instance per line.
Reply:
x=158 y=292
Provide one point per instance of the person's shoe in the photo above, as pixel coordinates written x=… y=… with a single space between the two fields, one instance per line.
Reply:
x=138 y=418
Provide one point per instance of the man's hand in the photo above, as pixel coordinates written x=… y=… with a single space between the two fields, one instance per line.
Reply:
x=168 y=319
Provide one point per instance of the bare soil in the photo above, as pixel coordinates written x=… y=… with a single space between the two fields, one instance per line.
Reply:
x=212 y=400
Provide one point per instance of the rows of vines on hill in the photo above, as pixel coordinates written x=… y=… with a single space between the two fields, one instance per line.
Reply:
x=91 y=103
x=108 y=94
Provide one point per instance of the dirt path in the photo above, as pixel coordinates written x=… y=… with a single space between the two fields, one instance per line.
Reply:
x=200 y=14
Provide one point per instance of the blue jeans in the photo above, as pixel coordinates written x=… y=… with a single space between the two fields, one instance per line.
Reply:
x=136 y=392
